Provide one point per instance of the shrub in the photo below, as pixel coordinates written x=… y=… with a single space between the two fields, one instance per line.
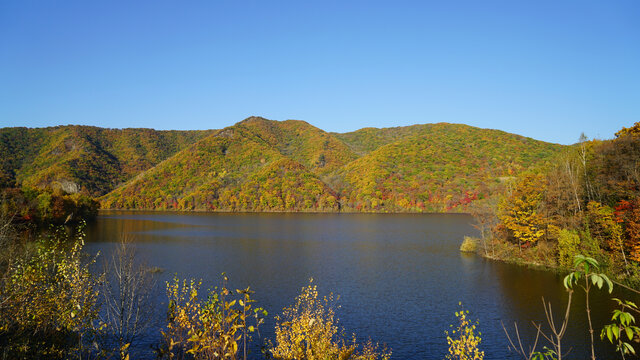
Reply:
x=211 y=329
x=308 y=331
x=463 y=341
x=48 y=300
x=568 y=247
x=469 y=244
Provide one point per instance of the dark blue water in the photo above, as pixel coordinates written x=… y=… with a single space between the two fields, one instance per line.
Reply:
x=400 y=277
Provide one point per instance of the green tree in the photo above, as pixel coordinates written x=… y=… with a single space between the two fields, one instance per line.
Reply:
x=568 y=247
x=585 y=275
x=623 y=324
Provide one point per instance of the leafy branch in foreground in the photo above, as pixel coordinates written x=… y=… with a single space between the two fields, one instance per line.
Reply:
x=623 y=324
x=585 y=268
x=585 y=275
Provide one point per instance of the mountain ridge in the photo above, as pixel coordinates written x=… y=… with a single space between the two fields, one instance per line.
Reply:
x=268 y=165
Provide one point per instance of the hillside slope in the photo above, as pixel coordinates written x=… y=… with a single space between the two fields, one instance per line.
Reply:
x=84 y=159
x=366 y=140
x=317 y=150
x=265 y=165
x=433 y=167
x=239 y=168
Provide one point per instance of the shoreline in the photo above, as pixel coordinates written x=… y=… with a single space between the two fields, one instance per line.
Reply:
x=629 y=284
x=285 y=212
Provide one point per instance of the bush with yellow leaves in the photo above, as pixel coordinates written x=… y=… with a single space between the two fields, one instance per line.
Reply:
x=48 y=299
x=463 y=341
x=216 y=328
x=307 y=331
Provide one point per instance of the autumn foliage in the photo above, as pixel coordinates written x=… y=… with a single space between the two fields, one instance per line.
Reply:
x=586 y=201
x=308 y=330
x=264 y=165
x=49 y=302
x=46 y=206
x=521 y=212
x=218 y=325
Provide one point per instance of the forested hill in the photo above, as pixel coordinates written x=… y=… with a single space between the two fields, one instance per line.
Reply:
x=84 y=159
x=433 y=167
x=266 y=165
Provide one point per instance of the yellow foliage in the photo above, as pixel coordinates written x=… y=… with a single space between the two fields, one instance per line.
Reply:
x=463 y=341
x=568 y=247
x=211 y=329
x=520 y=212
x=49 y=299
x=469 y=244
x=631 y=131
x=604 y=225
x=307 y=331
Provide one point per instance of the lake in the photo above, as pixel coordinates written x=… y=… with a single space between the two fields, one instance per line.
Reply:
x=400 y=277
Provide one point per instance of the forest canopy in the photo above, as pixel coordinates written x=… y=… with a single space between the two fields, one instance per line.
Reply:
x=265 y=165
x=586 y=201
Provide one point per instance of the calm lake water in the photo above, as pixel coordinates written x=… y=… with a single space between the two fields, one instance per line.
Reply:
x=400 y=277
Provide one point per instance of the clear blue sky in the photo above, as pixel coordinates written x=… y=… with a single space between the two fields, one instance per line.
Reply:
x=545 y=69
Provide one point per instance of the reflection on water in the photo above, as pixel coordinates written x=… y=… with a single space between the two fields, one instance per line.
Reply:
x=400 y=277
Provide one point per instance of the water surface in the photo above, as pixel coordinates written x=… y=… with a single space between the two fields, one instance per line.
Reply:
x=400 y=277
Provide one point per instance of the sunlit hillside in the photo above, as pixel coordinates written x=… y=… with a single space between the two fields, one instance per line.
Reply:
x=84 y=159
x=267 y=165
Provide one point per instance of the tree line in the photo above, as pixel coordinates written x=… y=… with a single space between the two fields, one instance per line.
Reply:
x=587 y=201
x=46 y=206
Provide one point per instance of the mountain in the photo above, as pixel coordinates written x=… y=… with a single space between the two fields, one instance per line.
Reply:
x=319 y=151
x=366 y=140
x=433 y=167
x=84 y=159
x=265 y=165
x=244 y=167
